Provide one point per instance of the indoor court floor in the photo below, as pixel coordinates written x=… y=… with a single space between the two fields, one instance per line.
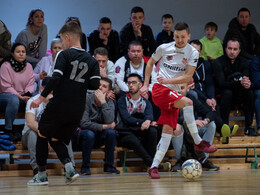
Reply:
x=231 y=182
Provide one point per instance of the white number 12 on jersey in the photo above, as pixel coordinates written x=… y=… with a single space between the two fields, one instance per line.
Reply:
x=84 y=68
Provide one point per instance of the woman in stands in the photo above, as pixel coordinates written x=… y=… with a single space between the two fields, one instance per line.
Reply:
x=16 y=86
x=45 y=67
x=34 y=37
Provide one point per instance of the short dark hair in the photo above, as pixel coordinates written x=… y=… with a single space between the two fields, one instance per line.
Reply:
x=182 y=26
x=137 y=9
x=16 y=45
x=45 y=81
x=136 y=43
x=211 y=25
x=135 y=75
x=108 y=81
x=196 y=42
x=73 y=19
x=105 y=20
x=101 y=51
x=71 y=27
x=165 y=16
x=234 y=39
x=243 y=9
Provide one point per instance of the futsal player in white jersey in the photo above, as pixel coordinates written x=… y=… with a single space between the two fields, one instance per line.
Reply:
x=178 y=63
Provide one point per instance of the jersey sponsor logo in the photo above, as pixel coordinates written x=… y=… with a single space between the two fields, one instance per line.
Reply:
x=169 y=58
x=184 y=61
x=174 y=68
x=179 y=52
x=196 y=60
x=118 y=69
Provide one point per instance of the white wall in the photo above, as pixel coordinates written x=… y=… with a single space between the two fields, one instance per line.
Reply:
x=195 y=12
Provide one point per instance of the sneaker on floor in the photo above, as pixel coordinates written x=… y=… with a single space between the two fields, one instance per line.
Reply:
x=234 y=129
x=165 y=167
x=177 y=166
x=38 y=181
x=71 y=176
x=250 y=131
x=225 y=132
x=205 y=146
x=85 y=171
x=153 y=173
x=209 y=166
x=111 y=170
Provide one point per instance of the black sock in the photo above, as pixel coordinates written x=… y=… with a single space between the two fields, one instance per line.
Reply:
x=61 y=151
x=41 y=153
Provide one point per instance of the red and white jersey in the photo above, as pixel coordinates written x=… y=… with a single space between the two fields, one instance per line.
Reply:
x=174 y=61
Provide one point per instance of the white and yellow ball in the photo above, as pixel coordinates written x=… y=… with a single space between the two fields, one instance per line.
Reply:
x=191 y=169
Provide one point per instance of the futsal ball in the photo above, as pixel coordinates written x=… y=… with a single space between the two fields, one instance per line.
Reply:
x=191 y=169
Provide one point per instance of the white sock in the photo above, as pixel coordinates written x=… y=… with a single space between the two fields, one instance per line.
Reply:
x=69 y=167
x=162 y=148
x=191 y=124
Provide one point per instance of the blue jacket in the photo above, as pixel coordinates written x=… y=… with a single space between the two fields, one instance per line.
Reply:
x=131 y=116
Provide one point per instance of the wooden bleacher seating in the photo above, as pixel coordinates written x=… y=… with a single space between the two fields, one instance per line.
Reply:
x=234 y=155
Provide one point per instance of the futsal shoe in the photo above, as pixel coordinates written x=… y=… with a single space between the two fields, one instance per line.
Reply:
x=71 y=177
x=177 y=166
x=205 y=146
x=38 y=181
x=225 y=132
x=234 y=129
x=153 y=173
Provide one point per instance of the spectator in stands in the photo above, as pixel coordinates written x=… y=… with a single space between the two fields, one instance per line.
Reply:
x=136 y=114
x=34 y=37
x=45 y=66
x=5 y=41
x=166 y=35
x=97 y=128
x=30 y=131
x=133 y=62
x=212 y=45
x=136 y=30
x=206 y=128
x=241 y=28
x=205 y=90
x=106 y=66
x=16 y=86
x=83 y=38
x=255 y=76
x=232 y=76
x=106 y=37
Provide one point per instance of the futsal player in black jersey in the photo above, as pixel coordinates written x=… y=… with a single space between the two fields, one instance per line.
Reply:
x=75 y=71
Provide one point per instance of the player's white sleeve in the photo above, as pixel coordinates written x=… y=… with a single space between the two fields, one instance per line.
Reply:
x=158 y=53
x=194 y=57
x=120 y=73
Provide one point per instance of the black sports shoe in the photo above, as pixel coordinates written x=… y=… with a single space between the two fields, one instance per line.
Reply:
x=209 y=166
x=85 y=171
x=250 y=131
x=111 y=170
x=177 y=166
x=71 y=176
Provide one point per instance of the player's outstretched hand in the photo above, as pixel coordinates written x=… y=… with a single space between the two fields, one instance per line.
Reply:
x=37 y=102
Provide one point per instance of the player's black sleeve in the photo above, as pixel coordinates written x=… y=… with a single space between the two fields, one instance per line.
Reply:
x=94 y=81
x=51 y=85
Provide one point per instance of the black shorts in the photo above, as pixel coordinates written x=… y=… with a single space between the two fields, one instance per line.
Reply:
x=60 y=120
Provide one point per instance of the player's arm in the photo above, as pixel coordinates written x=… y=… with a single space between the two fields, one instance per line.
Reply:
x=179 y=80
x=31 y=122
x=148 y=72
